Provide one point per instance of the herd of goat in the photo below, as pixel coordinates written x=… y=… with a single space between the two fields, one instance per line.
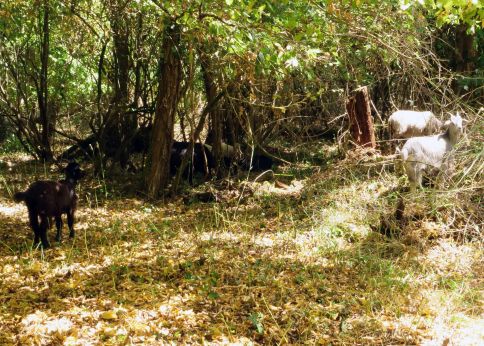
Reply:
x=422 y=151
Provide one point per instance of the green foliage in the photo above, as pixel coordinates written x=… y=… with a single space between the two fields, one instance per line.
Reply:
x=453 y=12
x=11 y=145
x=258 y=38
x=279 y=54
x=256 y=319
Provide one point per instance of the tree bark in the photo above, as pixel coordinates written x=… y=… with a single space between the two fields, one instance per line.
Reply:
x=465 y=53
x=215 y=114
x=121 y=123
x=43 y=93
x=361 y=122
x=169 y=82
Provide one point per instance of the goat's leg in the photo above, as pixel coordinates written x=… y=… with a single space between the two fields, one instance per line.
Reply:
x=58 y=225
x=411 y=170
x=44 y=225
x=445 y=172
x=415 y=177
x=70 y=223
x=34 y=223
x=413 y=186
x=418 y=175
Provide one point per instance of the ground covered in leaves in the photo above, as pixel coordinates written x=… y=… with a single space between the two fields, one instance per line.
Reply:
x=303 y=262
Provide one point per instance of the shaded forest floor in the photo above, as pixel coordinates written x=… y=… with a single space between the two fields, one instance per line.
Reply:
x=300 y=264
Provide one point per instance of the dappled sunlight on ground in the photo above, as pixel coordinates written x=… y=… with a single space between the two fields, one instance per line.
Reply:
x=448 y=325
x=11 y=210
x=446 y=255
x=269 y=188
x=282 y=265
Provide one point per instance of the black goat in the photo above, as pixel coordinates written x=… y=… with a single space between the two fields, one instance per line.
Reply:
x=259 y=162
x=46 y=199
x=201 y=160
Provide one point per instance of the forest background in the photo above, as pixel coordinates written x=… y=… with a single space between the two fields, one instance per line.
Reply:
x=313 y=254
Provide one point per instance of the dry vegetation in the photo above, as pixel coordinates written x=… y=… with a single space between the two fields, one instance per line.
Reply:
x=303 y=264
x=331 y=250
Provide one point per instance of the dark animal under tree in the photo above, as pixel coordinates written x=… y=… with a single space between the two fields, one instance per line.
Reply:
x=46 y=199
x=201 y=160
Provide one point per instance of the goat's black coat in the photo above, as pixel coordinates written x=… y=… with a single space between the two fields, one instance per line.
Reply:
x=201 y=161
x=46 y=199
x=260 y=162
x=88 y=148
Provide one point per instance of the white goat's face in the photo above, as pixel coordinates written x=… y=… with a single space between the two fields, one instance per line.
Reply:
x=457 y=121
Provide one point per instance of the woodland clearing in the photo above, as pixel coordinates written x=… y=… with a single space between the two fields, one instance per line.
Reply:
x=269 y=265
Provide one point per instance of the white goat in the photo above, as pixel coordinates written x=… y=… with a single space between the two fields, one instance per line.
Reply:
x=407 y=124
x=420 y=153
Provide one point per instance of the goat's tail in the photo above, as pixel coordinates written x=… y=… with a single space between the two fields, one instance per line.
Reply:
x=20 y=196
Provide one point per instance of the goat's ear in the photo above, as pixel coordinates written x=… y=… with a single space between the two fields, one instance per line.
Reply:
x=457 y=118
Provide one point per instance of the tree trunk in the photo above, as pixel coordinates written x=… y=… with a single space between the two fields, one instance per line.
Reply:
x=138 y=60
x=361 y=122
x=196 y=136
x=215 y=115
x=46 y=134
x=99 y=89
x=465 y=53
x=233 y=114
x=127 y=120
x=121 y=123
x=169 y=81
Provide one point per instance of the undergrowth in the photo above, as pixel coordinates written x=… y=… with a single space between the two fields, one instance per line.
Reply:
x=310 y=262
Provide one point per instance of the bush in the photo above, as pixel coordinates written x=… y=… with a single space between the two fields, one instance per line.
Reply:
x=10 y=143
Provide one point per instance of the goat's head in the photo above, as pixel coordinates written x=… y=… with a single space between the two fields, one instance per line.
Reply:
x=73 y=171
x=455 y=126
x=455 y=122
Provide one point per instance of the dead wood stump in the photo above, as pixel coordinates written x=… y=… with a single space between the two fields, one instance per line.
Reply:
x=361 y=122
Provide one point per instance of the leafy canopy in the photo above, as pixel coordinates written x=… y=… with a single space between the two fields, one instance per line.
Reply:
x=453 y=12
